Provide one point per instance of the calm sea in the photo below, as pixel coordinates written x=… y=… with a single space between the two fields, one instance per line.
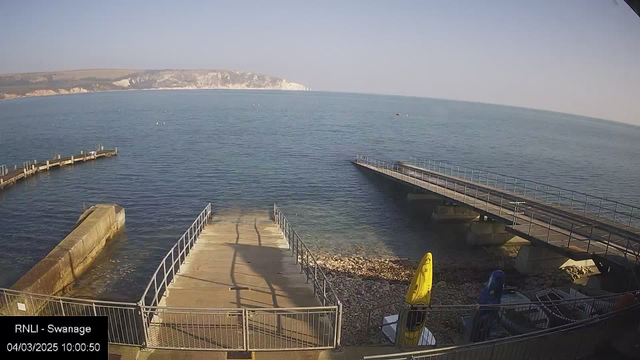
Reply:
x=244 y=150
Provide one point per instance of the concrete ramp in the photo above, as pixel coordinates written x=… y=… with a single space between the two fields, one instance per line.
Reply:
x=240 y=261
x=240 y=288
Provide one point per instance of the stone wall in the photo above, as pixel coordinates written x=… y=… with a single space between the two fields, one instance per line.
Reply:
x=59 y=270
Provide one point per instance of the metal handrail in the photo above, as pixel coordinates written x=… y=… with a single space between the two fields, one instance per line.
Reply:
x=187 y=241
x=460 y=191
x=311 y=268
x=510 y=183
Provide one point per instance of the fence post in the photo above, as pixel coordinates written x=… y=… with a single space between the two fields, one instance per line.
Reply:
x=530 y=222
x=145 y=324
x=95 y=313
x=155 y=285
x=62 y=307
x=301 y=257
x=245 y=329
x=401 y=326
x=315 y=279
x=6 y=301
x=570 y=234
x=573 y=194
x=173 y=266
x=549 y=231
x=306 y=272
x=476 y=197
x=164 y=267
x=324 y=291
x=339 y=327
x=599 y=208
x=296 y=250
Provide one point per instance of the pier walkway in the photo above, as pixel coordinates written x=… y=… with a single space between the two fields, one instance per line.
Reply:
x=608 y=237
x=8 y=177
x=241 y=282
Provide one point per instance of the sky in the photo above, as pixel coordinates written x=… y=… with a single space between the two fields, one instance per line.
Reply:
x=574 y=56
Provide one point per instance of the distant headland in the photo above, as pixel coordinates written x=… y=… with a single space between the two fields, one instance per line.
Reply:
x=81 y=81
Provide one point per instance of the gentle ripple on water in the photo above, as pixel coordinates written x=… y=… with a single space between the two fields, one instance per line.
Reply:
x=244 y=150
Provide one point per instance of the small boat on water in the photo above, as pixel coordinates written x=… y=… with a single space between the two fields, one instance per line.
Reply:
x=561 y=311
x=521 y=319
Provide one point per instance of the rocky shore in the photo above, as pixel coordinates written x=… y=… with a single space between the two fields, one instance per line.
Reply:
x=371 y=288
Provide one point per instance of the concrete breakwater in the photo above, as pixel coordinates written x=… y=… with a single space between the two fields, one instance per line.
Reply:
x=58 y=271
x=8 y=177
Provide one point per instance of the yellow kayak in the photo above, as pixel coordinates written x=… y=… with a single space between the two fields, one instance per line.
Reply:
x=418 y=295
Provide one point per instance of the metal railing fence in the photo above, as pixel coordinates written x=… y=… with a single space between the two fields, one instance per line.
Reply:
x=459 y=324
x=600 y=207
x=322 y=287
x=242 y=329
x=525 y=220
x=195 y=328
x=571 y=340
x=125 y=320
x=292 y=328
x=170 y=265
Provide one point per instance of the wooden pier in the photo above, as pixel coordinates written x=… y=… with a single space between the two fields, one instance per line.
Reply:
x=29 y=168
x=578 y=236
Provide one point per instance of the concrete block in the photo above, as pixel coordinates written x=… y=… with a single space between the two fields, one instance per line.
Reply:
x=453 y=213
x=533 y=259
x=488 y=233
x=73 y=255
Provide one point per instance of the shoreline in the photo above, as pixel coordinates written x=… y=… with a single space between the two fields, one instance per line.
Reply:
x=123 y=90
x=364 y=283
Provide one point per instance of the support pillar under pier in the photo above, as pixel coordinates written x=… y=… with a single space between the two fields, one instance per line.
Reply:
x=487 y=233
x=453 y=213
x=533 y=259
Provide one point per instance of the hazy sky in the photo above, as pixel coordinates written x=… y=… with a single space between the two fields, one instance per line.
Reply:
x=576 y=56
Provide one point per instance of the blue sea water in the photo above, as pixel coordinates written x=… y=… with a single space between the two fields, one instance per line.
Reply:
x=244 y=150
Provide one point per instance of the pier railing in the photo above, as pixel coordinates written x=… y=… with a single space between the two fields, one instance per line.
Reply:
x=170 y=264
x=525 y=220
x=600 y=207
